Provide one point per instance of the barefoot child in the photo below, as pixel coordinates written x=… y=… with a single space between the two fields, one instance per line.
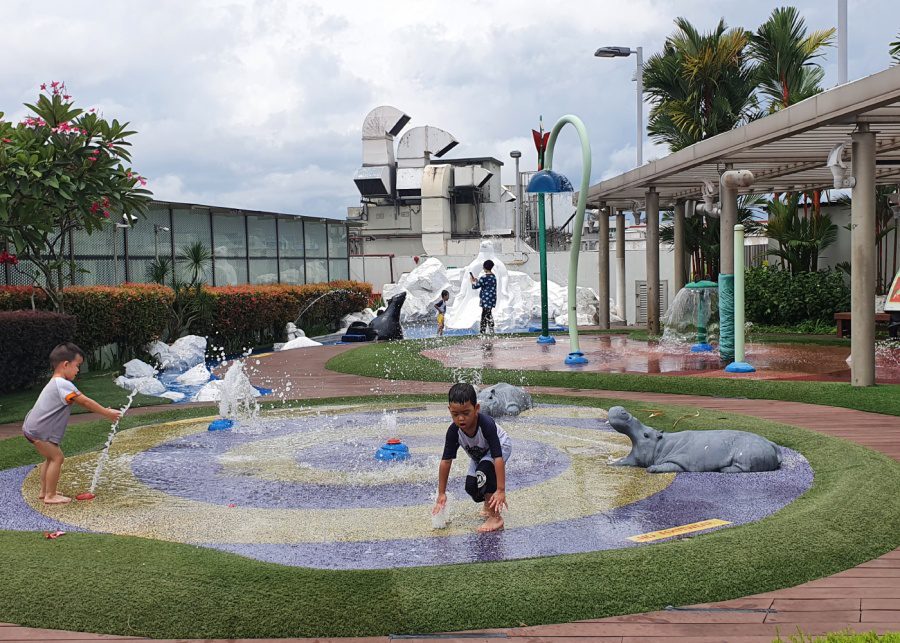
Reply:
x=488 y=447
x=441 y=308
x=45 y=424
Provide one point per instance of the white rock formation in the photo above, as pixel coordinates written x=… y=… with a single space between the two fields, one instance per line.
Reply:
x=145 y=385
x=518 y=295
x=365 y=316
x=137 y=368
x=211 y=392
x=195 y=376
x=175 y=396
x=293 y=332
x=300 y=342
x=184 y=354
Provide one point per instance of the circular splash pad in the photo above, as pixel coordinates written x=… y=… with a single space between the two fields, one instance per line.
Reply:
x=305 y=490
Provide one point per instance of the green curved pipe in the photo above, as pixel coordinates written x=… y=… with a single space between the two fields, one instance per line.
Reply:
x=579 y=215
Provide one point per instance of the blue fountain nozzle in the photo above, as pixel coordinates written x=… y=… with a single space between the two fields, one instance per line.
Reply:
x=575 y=358
x=701 y=348
x=222 y=424
x=393 y=451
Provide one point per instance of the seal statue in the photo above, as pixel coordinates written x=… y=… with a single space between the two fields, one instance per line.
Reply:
x=387 y=324
x=722 y=451
x=503 y=399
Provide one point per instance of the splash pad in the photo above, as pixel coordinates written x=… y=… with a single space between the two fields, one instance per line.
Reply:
x=304 y=490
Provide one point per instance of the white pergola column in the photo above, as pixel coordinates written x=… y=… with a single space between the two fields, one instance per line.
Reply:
x=652 y=209
x=620 y=263
x=862 y=259
x=603 y=261
x=679 y=246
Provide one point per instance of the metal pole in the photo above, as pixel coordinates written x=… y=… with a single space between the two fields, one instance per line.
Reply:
x=115 y=229
x=575 y=355
x=156 y=242
x=652 y=243
x=639 y=78
x=542 y=243
x=603 y=261
x=518 y=225
x=620 y=265
x=862 y=278
x=727 y=221
x=679 y=246
x=842 y=42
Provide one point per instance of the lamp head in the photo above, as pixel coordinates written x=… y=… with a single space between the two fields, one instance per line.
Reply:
x=613 y=52
x=549 y=182
x=515 y=154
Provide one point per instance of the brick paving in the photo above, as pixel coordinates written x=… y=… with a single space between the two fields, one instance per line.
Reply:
x=864 y=598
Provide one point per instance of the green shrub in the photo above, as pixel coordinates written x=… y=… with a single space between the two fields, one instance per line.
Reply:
x=776 y=297
x=128 y=316
x=26 y=339
x=247 y=316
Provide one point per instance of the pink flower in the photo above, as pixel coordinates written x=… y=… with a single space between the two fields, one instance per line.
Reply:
x=66 y=97
x=54 y=84
x=7 y=140
x=43 y=86
x=95 y=207
x=106 y=213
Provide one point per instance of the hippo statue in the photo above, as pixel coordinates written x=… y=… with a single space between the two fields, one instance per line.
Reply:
x=387 y=324
x=722 y=451
x=503 y=399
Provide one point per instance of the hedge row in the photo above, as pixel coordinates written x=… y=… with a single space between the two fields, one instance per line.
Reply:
x=244 y=316
x=132 y=315
x=776 y=297
x=129 y=316
x=26 y=339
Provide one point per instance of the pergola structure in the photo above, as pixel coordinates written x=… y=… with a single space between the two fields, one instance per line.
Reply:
x=786 y=151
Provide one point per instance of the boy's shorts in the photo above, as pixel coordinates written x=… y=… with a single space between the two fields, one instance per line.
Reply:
x=483 y=482
x=440 y=319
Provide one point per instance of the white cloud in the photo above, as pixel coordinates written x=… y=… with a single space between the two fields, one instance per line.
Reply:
x=259 y=103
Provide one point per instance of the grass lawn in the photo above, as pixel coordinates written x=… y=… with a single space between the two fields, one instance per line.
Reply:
x=403 y=360
x=133 y=586
x=100 y=387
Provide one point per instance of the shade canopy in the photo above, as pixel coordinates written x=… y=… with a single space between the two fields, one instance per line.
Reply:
x=549 y=182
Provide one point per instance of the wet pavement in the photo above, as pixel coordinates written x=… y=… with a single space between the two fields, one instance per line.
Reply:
x=619 y=354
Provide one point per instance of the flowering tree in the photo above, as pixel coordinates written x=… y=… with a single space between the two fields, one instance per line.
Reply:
x=61 y=169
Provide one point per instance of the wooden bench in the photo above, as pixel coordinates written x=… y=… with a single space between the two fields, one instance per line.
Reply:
x=843 y=322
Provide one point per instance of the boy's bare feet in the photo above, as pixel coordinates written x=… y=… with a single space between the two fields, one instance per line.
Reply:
x=484 y=513
x=58 y=499
x=493 y=523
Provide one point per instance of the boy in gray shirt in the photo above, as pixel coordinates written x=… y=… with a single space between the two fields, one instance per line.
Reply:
x=45 y=424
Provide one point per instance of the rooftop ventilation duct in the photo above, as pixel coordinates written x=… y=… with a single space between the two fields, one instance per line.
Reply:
x=414 y=151
x=382 y=124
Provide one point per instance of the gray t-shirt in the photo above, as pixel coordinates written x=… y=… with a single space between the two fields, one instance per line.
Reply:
x=48 y=418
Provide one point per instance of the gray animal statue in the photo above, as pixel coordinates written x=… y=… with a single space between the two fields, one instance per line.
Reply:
x=387 y=324
x=503 y=399
x=723 y=451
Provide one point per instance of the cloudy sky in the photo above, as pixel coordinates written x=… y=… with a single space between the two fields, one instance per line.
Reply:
x=259 y=103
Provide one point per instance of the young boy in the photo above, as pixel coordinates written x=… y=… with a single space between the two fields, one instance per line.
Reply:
x=488 y=447
x=488 y=295
x=441 y=307
x=45 y=424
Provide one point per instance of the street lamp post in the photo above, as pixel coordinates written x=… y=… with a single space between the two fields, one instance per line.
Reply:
x=156 y=230
x=516 y=154
x=624 y=52
x=549 y=182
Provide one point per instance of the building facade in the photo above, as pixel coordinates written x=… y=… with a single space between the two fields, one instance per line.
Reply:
x=246 y=246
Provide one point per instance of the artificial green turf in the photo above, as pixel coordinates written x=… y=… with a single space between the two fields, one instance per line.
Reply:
x=142 y=587
x=100 y=387
x=403 y=360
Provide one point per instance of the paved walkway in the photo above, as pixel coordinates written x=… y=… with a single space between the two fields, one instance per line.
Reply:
x=864 y=598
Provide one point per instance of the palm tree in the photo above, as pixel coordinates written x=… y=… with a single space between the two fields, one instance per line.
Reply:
x=894 y=51
x=800 y=238
x=784 y=55
x=701 y=84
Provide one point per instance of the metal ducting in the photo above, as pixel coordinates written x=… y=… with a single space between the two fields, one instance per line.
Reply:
x=471 y=176
x=419 y=144
x=375 y=177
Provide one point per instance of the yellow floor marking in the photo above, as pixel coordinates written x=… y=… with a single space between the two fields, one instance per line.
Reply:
x=678 y=531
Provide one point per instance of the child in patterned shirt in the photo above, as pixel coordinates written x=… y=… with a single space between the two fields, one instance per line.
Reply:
x=488 y=295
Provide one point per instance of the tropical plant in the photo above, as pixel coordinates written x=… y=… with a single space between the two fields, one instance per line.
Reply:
x=159 y=270
x=894 y=51
x=62 y=169
x=192 y=304
x=701 y=84
x=800 y=237
x=702 y=235
x=786 y=72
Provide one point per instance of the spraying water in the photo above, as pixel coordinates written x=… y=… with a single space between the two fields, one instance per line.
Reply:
x=313 y=302
x=238 y=401
x=104 y=455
